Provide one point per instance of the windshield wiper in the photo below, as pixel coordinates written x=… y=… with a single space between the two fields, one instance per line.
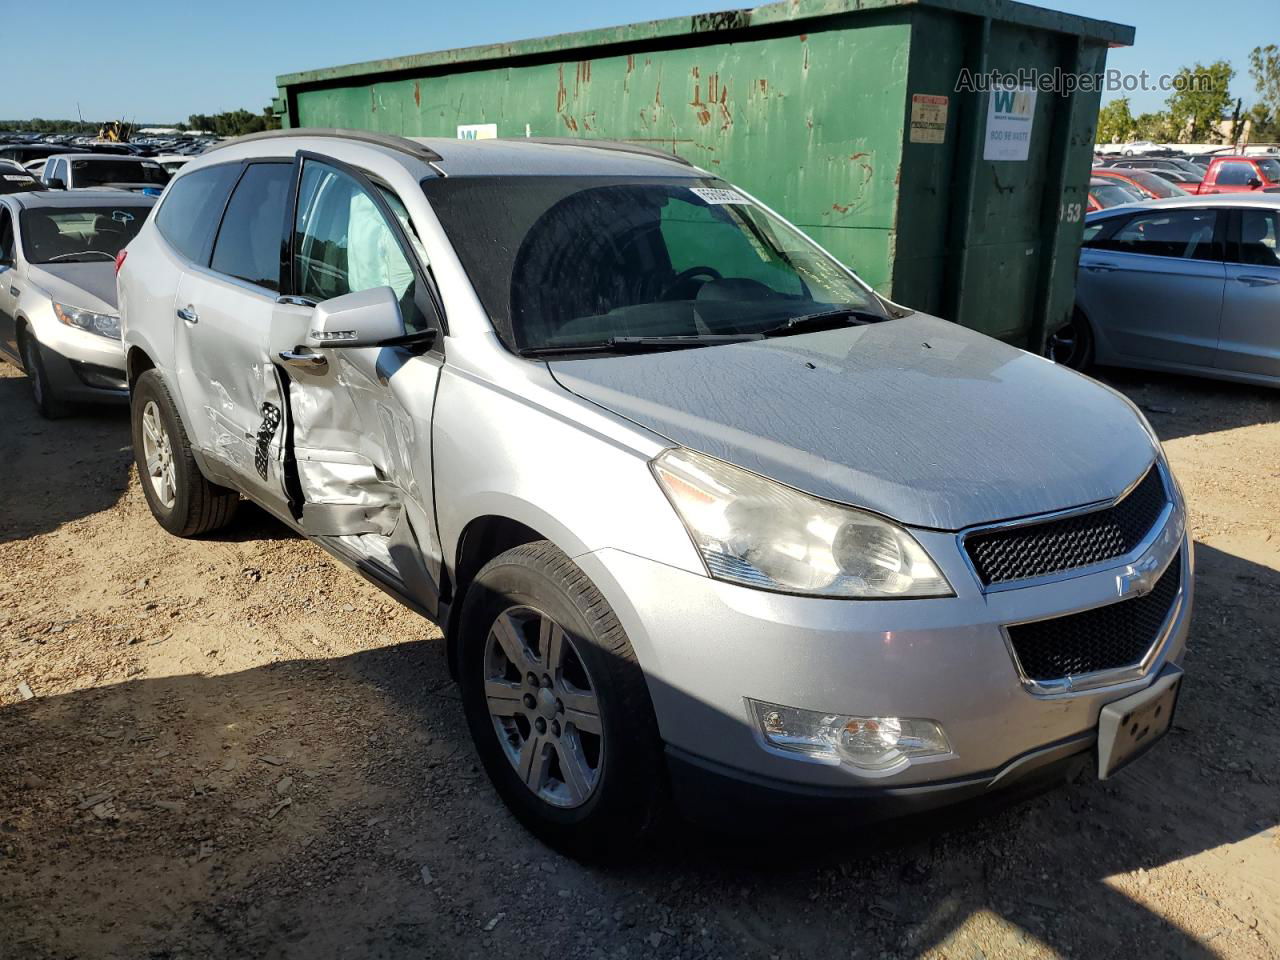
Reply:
x=825 y=320
x=642 y=344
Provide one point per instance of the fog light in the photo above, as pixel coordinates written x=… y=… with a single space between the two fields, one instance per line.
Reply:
x=868 y=743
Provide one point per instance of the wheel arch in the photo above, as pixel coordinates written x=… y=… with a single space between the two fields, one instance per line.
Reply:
x=137 y=362
x=483 y=538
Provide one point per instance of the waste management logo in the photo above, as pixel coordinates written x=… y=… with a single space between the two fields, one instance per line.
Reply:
x=1010 y=118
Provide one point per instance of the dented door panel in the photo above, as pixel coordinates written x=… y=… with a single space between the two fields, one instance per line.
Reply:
x=230 y=391
x=360 y=439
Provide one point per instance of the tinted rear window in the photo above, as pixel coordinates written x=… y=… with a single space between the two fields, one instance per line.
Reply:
x=189 y=213
x=100 y=172
x=248 y=244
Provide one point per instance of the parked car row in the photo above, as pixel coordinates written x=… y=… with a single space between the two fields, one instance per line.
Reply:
x=566 y=400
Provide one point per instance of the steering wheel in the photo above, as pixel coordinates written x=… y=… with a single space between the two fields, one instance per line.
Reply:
x=684 y=276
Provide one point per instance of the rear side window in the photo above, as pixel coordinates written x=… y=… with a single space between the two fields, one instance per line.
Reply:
x=1186 y=234
x=189 y=214
x=248 y=244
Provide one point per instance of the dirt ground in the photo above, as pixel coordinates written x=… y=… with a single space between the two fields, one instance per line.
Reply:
x=237 y=748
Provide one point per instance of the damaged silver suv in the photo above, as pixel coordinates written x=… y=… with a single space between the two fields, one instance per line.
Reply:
x=702 y=517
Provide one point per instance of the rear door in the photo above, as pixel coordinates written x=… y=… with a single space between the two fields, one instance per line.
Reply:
x=223 y=315
x=1155 y=285
x=1250 y=340
x=358 y=423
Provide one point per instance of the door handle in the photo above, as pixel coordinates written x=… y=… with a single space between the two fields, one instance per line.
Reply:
x=1100 y=266
x=188 y=314
x=314 y=362
x=14 y=291
x=1256 y=281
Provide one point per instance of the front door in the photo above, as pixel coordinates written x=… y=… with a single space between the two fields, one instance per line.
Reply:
x=1250 y=341
x=359 y=419
x=1156 y=286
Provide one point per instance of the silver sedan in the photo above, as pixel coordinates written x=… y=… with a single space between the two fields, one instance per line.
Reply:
x=1190 y=285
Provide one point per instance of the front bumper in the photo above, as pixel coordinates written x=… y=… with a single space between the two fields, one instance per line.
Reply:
x=81 y=366
x=706 y=645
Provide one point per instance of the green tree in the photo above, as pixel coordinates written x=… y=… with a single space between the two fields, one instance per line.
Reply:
x=1201 y=99
x=1115 y=122
x=1264 y=125
x=1264 y=67
x=1156 y=127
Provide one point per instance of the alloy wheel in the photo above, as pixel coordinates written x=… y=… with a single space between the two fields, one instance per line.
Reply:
x=157 y=451
x=1067 y=345
x=543 y=706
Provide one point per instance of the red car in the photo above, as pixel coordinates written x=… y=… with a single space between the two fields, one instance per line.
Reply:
x=1147 y=182
x=1241 y=174
x=1111 y=193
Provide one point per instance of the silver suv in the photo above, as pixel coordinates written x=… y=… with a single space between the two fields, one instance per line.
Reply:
x=700 y=514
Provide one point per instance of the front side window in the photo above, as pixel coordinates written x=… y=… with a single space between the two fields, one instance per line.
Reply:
x=577 y=261
x=81 y=235
x=1186 y=234
x=1259 y=231
x=1236 y=173
x=6 y=236
x=100 y=172
x=189 y=212
x=248 y=243
x=343 y=244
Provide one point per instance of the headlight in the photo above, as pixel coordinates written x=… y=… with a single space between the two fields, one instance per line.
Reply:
x=759 y=533
x=103 y=324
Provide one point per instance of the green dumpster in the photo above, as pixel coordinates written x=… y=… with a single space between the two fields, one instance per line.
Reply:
x=867 y=122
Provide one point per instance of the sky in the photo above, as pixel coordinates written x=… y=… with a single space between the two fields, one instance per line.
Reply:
x=156 y=61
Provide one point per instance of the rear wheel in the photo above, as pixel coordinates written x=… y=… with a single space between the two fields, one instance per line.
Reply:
x=51 y=407
x=1071 y=344
x=557 y=704
x=181 y=499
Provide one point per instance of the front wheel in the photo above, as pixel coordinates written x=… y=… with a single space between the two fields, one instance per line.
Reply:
x=557 y=705
x=1071 y=344
x=51 y=407
x=181 y=499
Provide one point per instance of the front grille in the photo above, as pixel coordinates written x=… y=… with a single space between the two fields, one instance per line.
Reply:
x=1039 y=549
x=1105 y=638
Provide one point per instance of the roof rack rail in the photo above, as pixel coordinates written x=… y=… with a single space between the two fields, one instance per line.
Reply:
x=388 y=140
x=621 y=146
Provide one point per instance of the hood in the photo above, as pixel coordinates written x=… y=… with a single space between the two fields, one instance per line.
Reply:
x=88 y=285
x=918 y=419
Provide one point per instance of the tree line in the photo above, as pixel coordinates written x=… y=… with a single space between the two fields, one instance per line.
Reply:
x=230 y=123
x=1194 y=110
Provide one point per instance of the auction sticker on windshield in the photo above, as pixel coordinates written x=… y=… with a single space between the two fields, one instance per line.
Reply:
x=717 y=195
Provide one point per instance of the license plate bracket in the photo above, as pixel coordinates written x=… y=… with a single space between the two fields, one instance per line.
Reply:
x=1129 y=727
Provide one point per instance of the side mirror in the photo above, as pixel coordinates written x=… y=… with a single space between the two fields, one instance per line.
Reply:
x=56 y=183
x=367 y=318
x=1253 y=183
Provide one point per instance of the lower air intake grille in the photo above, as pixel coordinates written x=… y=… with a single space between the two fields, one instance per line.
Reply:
x=1105 y=638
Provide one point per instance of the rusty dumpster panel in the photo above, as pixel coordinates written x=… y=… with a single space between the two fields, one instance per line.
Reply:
x=773 y=116
x=811 y=106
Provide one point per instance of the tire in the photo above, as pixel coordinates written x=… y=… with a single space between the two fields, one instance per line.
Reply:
x=628 y=794
x=1071 y=344
x=42 y=392
x=181 y=499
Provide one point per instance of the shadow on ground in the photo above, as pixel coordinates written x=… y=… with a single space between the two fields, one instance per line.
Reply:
x=289 y=811
x=1179 y=405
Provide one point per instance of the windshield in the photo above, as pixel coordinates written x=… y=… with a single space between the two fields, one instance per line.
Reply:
x=1157 y=184
x=1270 y=167
x=60 y=235
x=100 y=172
x=1112 y=194
x=17 y=180
x=577 y=261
